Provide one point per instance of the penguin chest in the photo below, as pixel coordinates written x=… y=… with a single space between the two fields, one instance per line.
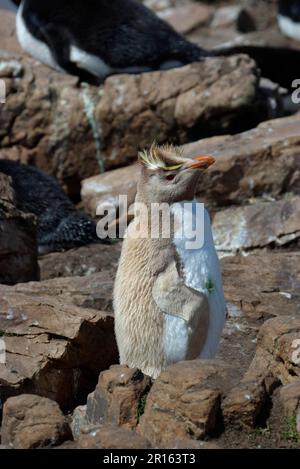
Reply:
x=289 y=27
x=195 y=248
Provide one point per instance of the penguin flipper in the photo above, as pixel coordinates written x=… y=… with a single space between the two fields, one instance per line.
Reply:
x=173 y=297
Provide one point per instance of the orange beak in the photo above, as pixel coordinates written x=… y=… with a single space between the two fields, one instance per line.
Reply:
x=202 y=161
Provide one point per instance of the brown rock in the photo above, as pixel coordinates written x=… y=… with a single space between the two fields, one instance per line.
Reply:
x=262 y=286
x=8 y=38
x=244 y=403
x=48 y=130
x=128 y=113
x=18 y=247
x=117 y=397
x=257 y=226
x=184 y=401
x=7 y=194
x=234 y=16
x=262 y=160
x=83 y=261
x=298 y=421
x=276 y=361
x=53 y=348
x=78 y=420
x=33 y=422
x=278 y=349
x=188 y=17
x=106 y=188
x=290 y=397
x=92 y=291
x=136 y=109
x=111 y=437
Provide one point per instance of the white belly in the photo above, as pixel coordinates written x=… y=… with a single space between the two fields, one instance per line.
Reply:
x=289 y=27
x=90 y=63
x=37 y=49
x=202 y=273
x=83 y=60
x=40 y=51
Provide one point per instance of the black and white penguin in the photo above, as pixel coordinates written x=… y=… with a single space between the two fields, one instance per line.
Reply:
x=289 y=18
x=60 y=225
x=96 y=38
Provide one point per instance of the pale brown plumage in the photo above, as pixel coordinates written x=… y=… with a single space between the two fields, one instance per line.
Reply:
x=149 y=283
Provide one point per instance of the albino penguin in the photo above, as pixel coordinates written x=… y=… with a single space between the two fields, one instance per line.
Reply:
x=168 y=297
x=289 y=18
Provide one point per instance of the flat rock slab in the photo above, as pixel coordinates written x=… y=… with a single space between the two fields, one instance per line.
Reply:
x=257 y=226
x=105 y=189
x=137 y=109
x=53 y=348
x=264 y=160
x=263 y=286
x=83 y=261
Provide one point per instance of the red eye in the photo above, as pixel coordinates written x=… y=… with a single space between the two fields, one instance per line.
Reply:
x=170 y=177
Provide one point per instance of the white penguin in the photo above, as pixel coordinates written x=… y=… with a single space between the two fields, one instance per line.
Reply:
x=168 y=297
x=289 y=18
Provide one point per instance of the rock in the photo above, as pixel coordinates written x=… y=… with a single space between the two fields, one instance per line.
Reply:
x=127 y=113
x=117 y=397
x=78 y=421
x=136 y=109
x=83 y=261
x=53 y=348
x=290 y=397
x=110 y=437
x=277 y=360
x=262 y=160
x=278 y=349
x=93 y=291
x=106 y=188
x=188 y=17
x=8 y=38
x=159 y=5
x=234 y=16
x=268 y=291
x=7 y=193
x=257 y=226
x=298 y=421
x=18 y=245
x=33 y=422
x=45 y=115
x=244 y=404
x=184 y=402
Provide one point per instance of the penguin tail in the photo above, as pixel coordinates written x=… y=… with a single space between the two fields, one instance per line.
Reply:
x=187 y=52
x=279 y=64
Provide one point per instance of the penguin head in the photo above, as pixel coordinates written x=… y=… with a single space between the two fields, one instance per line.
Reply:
x=167 y=176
